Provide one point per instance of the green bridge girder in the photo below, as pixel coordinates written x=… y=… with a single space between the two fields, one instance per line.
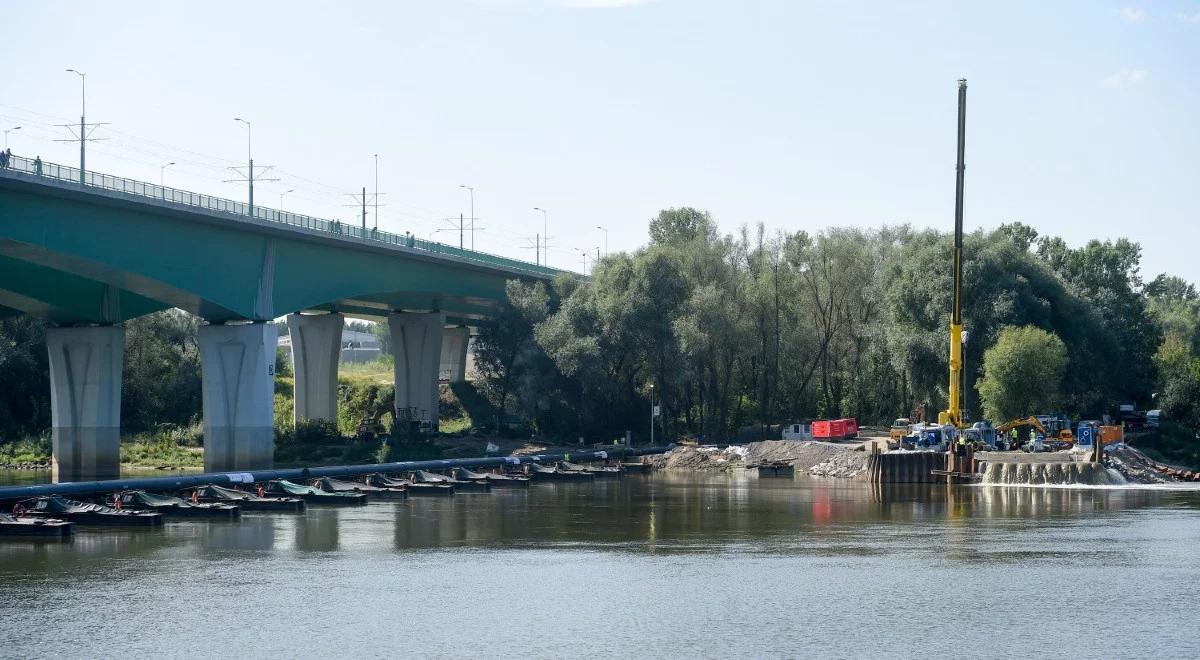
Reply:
x=76 y=255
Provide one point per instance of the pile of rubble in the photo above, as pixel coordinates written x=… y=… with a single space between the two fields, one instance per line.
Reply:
x=1136 y=467
x=811 y=457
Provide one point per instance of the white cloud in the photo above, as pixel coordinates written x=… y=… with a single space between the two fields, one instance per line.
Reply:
x=1125 y=77
x=1132 y=14
x=1189 y=18
x=598 y=4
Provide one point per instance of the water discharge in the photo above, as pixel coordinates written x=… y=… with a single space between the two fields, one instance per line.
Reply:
x=1065 y=473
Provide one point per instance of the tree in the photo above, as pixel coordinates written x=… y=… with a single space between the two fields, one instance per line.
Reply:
x=505 y=349
x=682 y=225
x=1023 y=373
x=162 y=379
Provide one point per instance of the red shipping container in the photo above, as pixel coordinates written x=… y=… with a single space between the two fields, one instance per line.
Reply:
x=835 y=429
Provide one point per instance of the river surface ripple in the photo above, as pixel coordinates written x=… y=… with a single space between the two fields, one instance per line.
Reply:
x=664 y=565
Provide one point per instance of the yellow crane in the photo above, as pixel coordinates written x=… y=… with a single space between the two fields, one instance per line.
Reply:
x=952 y=415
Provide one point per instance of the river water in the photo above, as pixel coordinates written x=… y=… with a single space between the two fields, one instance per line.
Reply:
x=660 y=565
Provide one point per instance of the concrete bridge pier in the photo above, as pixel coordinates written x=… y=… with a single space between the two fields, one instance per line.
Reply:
x=316 y=349
x=238 y=366
x=85 y=401
x=417 y=347
x=454 y=353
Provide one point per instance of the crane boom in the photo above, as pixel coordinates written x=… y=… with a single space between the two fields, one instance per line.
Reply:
x=953 y=413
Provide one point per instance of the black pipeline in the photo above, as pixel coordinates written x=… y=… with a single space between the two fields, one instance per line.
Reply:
x=256 y=476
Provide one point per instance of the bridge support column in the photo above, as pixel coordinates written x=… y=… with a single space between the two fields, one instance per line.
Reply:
x=454 y=353
x=316 y=349
x=238 y=366
x=85 y=401
x=417 y=347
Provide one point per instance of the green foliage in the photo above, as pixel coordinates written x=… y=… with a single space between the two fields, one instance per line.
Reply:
x=26 y=450
x=1023 y=373
x=161 y=381
x=159 y=450
x=24 y=379
x=283 y=362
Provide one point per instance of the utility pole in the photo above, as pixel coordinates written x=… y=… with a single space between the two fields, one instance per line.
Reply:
x=545 y=233
x=249 y=173
x=471 y=190
x=85 y=129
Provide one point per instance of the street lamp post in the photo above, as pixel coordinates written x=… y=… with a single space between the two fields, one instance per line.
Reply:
x=605 y=239
x=162 y=173
x=471 y=190
x=82 y=119
x=6 y=132
x=376 y=191
x=545 y=236
x=250 y=164
x=281 y=198
x=651 y=414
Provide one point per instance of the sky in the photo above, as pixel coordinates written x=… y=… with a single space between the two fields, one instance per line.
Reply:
x=1083 y=117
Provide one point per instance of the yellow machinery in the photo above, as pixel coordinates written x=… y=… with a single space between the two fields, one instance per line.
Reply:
x=1063 y=436
x=952 y=415
x=1024 y=421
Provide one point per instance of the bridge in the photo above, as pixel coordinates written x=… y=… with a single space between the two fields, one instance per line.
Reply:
x=88 y=251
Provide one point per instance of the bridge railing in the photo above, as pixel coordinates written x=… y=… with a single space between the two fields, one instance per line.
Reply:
x=66 y=173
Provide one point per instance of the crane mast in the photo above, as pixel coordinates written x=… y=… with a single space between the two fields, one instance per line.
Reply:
x=953 y=412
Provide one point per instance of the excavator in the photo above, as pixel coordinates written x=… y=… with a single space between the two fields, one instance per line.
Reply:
x=1064 y=439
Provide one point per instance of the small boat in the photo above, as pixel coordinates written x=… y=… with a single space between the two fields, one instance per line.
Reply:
x=493 y=479
x=248 y=501
x=543 y=473
x=338 y=486
x=174 y=506
x=314 y=495
x=425 y=477
x=11 y=526
x=635 y=467
x=413 y=489
x=83 y=513
x=599 y=471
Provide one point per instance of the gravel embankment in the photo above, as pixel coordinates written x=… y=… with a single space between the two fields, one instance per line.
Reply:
x=818 y=458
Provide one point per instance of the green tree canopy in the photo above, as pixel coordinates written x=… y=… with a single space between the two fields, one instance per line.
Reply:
x=1023 y=373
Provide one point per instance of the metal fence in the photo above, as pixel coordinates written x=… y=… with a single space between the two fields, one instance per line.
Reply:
x=38 y=167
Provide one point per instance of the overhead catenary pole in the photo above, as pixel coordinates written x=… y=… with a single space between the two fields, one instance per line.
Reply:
x=471 y=190
x=460 y=231
x=83 y=135
x=249 y=169
x=545 y=235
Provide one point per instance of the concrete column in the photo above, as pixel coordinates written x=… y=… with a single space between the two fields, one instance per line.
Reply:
x=454 y=353
x=417 y=347
x=316 y=349
x=238 y=365
x=85 y=401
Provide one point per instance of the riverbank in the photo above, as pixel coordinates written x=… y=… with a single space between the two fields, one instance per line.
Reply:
x=848 y=460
